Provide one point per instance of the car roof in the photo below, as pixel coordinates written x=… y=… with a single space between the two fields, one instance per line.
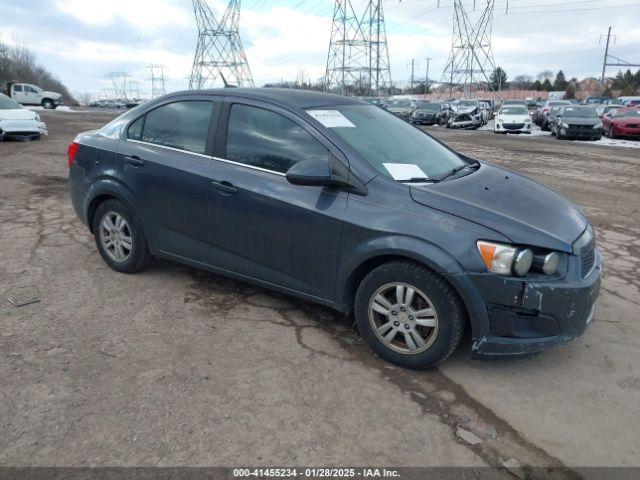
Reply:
x=285 y=97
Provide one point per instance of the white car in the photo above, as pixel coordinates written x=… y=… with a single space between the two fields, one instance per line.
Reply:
x=19 y=123
x=513 y=119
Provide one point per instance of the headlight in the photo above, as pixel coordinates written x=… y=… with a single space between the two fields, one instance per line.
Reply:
x=598 y=125
x=547 y=264
x=506 y=259
x=38 y=118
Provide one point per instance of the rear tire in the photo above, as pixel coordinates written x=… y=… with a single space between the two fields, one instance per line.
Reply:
x=428 y=324
x=119 y=237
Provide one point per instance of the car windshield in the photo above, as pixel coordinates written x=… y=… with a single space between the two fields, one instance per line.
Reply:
x=394 y=147
x=553 y=104
x=7 y=103
x=467 y=103
x=399 y=103
x=514 y=110
x=428 y=106
x=628 y=113
x=586 y=112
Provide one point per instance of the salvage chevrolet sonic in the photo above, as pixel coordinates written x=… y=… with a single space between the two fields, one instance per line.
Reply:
x=344 y=204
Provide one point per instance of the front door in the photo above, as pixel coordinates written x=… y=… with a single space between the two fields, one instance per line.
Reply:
x=263 y=226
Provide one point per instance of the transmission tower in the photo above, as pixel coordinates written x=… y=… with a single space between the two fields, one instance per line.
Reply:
x=358 y=58
x=157 y=80
x=119 y=81
x=471 y=60
x=219 y=53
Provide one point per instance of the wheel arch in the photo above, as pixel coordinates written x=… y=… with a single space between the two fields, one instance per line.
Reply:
x=104 y=190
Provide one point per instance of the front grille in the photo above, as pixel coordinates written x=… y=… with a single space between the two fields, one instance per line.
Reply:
x=581 y=127
x=513 y=126
x=588 y=259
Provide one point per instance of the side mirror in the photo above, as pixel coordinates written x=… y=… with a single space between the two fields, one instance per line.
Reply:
x=310 y=172
x=323 y=173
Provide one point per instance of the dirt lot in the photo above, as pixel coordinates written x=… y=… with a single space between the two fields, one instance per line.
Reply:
x=178 y=367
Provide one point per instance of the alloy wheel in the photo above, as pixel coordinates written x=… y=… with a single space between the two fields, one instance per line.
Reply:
x=403 y=318
x=115 y=237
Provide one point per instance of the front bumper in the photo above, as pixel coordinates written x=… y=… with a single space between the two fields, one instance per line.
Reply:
x=22 y=129
x=523 y=127
x=581 y=133
x=520 y=318
x=627 y=131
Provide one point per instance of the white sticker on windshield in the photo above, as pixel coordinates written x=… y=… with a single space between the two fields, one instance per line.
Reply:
x=404 y=171
x=331 y=118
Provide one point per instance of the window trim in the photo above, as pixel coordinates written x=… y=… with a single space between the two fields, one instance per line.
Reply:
x=209 y=157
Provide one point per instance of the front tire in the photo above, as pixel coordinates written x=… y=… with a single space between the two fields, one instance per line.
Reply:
x=409 y=315
x=48 y=104
x=119 y=237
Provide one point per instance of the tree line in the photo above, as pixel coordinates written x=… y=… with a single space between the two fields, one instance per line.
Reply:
x=628 y=83
x=19 y=64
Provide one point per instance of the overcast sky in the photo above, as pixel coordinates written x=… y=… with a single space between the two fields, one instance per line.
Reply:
x=81 y=41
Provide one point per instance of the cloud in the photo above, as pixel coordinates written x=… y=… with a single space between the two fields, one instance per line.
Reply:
x=81 y=41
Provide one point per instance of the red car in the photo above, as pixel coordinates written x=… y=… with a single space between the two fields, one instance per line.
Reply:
x=625 y=122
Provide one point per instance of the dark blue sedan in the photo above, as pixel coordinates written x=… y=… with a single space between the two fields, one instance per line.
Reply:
x=341 y=203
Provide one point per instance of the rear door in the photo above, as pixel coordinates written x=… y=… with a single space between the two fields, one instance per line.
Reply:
x=263 y=226
x=164 y=160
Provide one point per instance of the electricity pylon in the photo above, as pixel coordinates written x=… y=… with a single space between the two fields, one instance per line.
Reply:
x=119 y=81
x=219 y=53
x=471 y=60
x=358 y=58
x=157 y=80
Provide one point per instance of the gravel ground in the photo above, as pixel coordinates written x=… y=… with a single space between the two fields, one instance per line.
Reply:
x=174 y=366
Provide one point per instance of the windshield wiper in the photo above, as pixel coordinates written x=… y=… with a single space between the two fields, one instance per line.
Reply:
x=458 y=169
x=419 y=180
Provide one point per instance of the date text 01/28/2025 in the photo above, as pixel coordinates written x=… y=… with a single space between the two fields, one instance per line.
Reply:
x=315 y=473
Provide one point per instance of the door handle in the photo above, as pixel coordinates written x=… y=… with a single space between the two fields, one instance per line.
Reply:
x=134 y=160
x=225 y=187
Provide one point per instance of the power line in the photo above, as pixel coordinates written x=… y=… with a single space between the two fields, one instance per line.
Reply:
x=157 y=79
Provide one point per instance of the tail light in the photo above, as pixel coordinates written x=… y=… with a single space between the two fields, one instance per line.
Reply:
x=72 y=151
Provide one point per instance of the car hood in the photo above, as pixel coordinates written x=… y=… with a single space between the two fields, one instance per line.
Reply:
x=17 y=114
x=399 y=109
x=580 y=121
x=519 y=208
x=51 y=94
x=460 y=110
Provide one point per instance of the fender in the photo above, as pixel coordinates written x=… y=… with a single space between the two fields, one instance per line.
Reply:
x=389 y=246
x=420 y=251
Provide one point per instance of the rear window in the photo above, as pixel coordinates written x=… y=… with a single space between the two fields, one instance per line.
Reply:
x=183 y=125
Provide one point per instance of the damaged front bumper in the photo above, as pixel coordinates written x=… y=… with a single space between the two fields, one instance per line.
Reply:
x=22 y=129
x=521 y=317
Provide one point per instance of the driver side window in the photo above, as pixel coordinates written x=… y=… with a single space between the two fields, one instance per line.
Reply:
x=268 y=140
